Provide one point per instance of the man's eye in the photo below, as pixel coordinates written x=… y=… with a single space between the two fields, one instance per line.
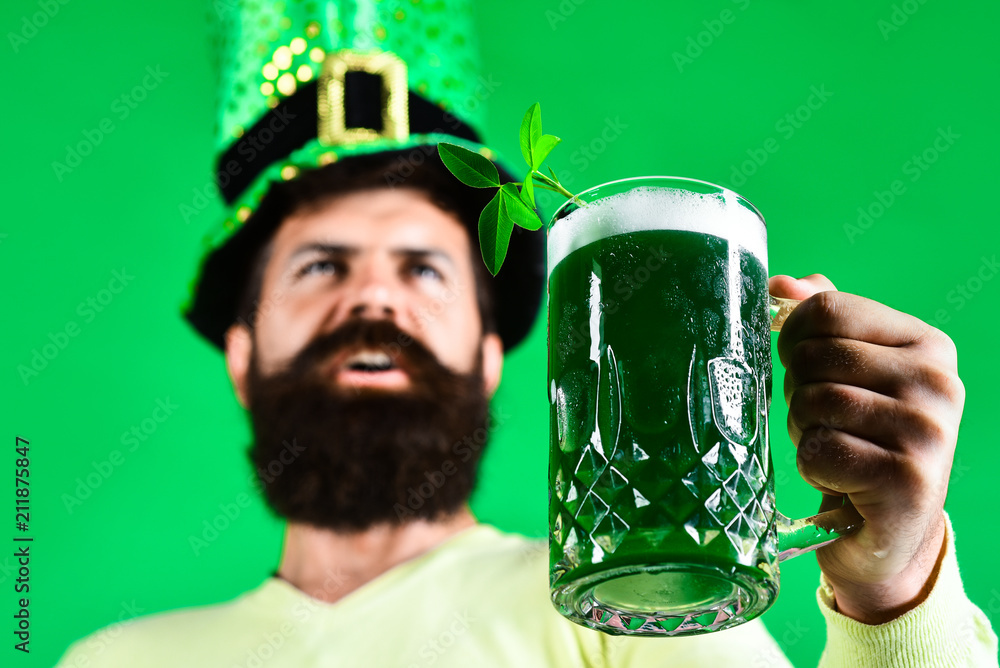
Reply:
x=320 y=266
x=425 y=271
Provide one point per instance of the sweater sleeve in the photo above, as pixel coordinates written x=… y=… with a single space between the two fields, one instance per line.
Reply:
x=946 y=630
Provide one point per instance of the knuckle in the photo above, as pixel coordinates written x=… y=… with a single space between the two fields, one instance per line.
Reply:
x=827 y=457
x=798 y=407
x=939 y=381
x=935 y=430
x=843 y=398
x=958 y=391
x=940 y=345
x=814 y=446
x=806 y=406
x=926 y=428
x=950 y=386
x=825 y=404
x=824 y=307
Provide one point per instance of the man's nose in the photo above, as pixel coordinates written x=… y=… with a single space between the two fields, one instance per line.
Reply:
x=375 y=293
x=374 y=300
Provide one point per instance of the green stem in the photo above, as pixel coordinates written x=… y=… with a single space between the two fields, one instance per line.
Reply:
x=545 y=187
x=553 y=185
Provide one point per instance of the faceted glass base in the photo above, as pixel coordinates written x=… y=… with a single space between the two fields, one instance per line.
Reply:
x=665 y=599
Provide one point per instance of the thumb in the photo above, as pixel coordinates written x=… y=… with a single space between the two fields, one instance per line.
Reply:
x=798 y=288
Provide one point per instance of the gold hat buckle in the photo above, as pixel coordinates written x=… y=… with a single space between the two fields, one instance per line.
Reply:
x=391 y=69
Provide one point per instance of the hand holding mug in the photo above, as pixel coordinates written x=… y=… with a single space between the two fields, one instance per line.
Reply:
x=875 y=403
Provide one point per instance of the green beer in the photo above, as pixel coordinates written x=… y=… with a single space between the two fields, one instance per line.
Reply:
x=661 y=510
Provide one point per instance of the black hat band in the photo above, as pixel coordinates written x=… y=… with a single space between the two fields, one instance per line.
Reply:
x=294 y=122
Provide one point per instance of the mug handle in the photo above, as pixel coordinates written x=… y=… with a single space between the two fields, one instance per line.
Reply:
x=797 y=537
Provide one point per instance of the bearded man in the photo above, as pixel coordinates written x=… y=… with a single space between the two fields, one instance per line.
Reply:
x=365 y=338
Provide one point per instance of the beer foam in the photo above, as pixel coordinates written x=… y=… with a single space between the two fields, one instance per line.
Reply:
x=648 y=208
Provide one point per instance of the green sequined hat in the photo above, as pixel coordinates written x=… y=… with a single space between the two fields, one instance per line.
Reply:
x=306 y=83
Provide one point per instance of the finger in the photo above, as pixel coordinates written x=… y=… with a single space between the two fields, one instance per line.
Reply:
x=798 y=288
x=832 y=502
x=895 y=372
x=847 y=316
x=900 y=426
x=835 y=462
x=836 y=360
x=887 y=489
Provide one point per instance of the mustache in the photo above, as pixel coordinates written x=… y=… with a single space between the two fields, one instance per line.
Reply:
x=384 y=335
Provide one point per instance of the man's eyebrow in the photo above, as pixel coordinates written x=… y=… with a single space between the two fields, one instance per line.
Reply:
x=421 y=253
x=319 y=247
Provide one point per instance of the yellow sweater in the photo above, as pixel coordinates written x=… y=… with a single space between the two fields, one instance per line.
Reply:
x=481 y=599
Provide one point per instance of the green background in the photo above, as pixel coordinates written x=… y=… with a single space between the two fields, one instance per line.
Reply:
x=611 y=86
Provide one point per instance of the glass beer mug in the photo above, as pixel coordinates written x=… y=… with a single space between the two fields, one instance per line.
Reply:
x=662 y=517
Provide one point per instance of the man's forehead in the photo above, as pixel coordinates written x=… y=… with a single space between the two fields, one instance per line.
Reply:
x=397 y=217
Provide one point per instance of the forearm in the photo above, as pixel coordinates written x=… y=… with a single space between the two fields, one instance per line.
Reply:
x=945 y=629
x=880 y=604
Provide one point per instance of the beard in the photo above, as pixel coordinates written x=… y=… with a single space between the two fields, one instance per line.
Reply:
x=348 y=458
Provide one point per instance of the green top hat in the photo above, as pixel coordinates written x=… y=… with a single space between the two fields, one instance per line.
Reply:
x=306 y=83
